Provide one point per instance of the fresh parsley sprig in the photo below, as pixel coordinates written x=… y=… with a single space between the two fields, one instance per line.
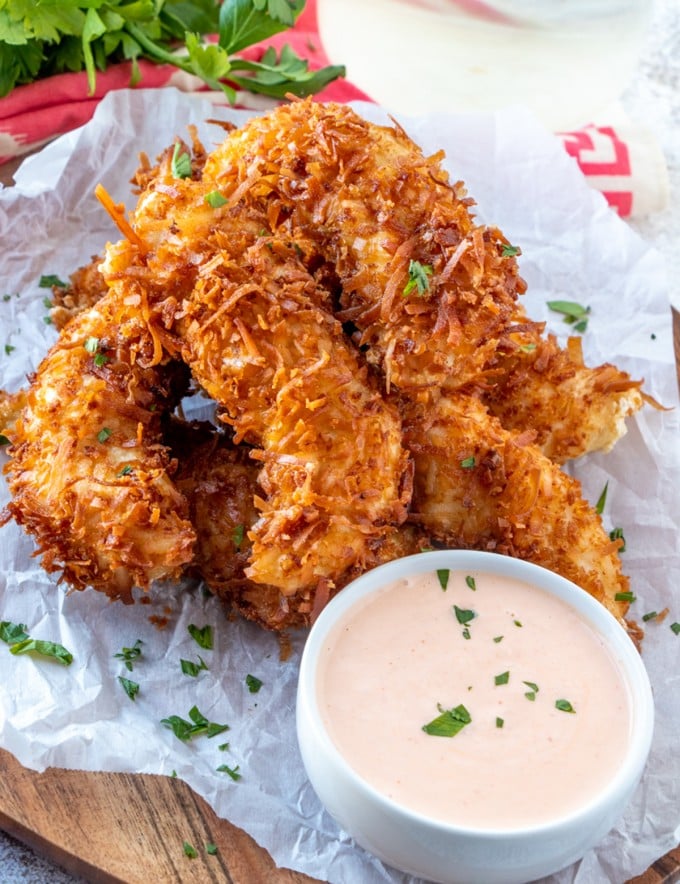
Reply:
x=38 y=40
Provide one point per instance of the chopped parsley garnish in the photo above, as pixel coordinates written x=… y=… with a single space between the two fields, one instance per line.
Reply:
x=449 y=722
x=254 y=684
x=189 y=850
x=467 y=463
x=498 y=638
x=471 y=582
x=601 y=500
x=131 y=688
x=203 y=636
x=13 y=632
x=191 y=668
x=518 y=623
x=3 y=439
x=443 y=577
x=509 y=251
x=237 y=536
x=126 y=470
x=418 y=278
x=466 y=633
x=503 y=678
x=675 y=628
x=129 y=656
x=223 y=747
x=9 y=349
x=463 y=615
x=180 y=164
x=533 y=690
x=215 y=199
x=564 y=706
x=624 y=597
x=49 y=280
x=44 y=649
x=499 y=722
x=210 y=848
x=617 y=534
x=651 y=615
x=104 y=434
x=574 y=314
x=232 y=771
x=198 y=726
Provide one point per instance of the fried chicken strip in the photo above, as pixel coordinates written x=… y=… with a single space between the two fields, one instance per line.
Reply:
x=88 y=474
x=434 y=295
x=239 y=307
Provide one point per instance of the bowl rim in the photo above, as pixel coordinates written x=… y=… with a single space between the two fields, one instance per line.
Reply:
x=600 y=619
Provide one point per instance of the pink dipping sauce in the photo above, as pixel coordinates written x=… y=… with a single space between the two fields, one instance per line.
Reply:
x=397 y=655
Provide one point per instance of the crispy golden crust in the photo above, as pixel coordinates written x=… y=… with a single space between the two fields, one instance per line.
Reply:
x=88 y=475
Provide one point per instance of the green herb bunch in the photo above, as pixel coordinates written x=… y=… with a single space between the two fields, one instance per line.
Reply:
x=39 y=38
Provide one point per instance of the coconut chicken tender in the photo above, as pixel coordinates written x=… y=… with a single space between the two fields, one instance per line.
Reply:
x=88 y=474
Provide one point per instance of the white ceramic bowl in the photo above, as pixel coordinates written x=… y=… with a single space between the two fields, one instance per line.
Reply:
x=455 y=854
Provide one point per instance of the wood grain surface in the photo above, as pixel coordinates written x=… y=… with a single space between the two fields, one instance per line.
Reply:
x=131 y=828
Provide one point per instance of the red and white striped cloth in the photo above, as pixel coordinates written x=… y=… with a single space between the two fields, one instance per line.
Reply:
x=620 y=160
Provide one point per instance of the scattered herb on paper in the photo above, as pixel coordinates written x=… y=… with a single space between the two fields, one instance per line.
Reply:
x=573 y=313
x=202 y=635
x=254 y=684
x=13 y=632
x=131 y=688
x=129 y=656
x=49 y=279
x=197 y=726
x=602 y=499
x=509 y=251
x=190 y=668
x=231 y=771
x=43 y=649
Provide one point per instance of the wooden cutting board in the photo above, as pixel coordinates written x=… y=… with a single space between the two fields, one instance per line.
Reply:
x=131 y=828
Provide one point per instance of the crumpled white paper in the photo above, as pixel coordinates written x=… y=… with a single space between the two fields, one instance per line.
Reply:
x=574 y=248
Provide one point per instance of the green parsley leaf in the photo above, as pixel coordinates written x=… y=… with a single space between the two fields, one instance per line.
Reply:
x=417 y=278
x=617 y=534
x=44 y=649
x=192 y=669
x=533 y=690
x=203 y=636
x=675 y=628
x=574 y=314
x=564 y=706
x=498 y=639
x=237 y=537
x=651 y=615
x=449 y=723
x=9 y=349
x=468 y=463
x=232 y=771
x=189 y=850
x=624 y=597
x=443 y=577
x=223 y=747
x=471 y=582
x=215 y=199
x=602 y=499
x=466 y=633
x=104 y=434
x=508 y=251
x=254 y=684
x=210 y=848
x=197 y=726
x=180 y=164
x=13 y=632
x=518 y=623
x=503 y=678
x=3 y=439
x=125 y=471
x=463 y=615
x=129 y=656
x=49 y=280
x=131 y=688
x=499 y=722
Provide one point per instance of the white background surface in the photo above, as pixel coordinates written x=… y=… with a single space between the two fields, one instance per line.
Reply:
x=652 y=98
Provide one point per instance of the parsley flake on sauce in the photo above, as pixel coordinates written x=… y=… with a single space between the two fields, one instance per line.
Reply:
x=463 y=615
x=449 y=722
x=500 y=722
x=533 y=690
x=443 y=577
x=471 y=582
x=564 y=706
x=418 y=278
x=503 y=678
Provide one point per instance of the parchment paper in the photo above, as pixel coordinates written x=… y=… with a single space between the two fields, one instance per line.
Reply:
x=574 y=247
